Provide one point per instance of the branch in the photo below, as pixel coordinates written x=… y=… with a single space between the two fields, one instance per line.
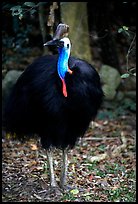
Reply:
x=120 y=148
x=114 y=153
x=99 y=138
x=129 y=51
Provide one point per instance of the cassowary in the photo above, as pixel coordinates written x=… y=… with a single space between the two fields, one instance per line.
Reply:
x=56 y=97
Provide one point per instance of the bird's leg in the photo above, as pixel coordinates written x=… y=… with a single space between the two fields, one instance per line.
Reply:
x=63 y=177
x=51 y=169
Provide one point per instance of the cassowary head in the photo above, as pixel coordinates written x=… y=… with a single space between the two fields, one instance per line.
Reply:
x=64 y=46
x=60 y=37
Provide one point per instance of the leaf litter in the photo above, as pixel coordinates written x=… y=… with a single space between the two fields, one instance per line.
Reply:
x=25 y=172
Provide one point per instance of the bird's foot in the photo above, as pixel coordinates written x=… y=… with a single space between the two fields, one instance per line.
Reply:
x=55 y=190
x=66 y=188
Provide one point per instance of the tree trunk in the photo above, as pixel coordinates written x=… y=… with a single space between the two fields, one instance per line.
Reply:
x=101 y=20
x=42 y=26
x=75 y=15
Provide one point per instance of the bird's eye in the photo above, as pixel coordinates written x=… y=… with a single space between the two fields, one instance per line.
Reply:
x=60 y=44
x=67 y=45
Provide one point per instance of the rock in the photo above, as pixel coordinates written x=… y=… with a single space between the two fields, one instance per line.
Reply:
x=131 y=94
x=7 y=84
x=111 y=79
x=120 y=95
x=109 y=91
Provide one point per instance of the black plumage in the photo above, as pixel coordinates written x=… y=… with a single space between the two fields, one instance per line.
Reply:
x=37 y=104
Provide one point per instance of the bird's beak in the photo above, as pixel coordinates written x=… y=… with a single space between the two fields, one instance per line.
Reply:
x=56 y=42
x=51 y=42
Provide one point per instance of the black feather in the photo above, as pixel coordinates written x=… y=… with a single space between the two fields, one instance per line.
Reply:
x=37 y=104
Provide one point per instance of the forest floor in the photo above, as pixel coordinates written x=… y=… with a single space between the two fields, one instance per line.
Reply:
x=102 y=166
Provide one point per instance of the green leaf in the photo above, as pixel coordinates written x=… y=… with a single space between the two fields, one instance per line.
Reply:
x=14 y=8
x=127 y=33
x=30 y=4
x=32 y=11
x=125 y=27
x=120 y=30
x=21 y=16
x=126 y=75
x=74 y=191
x=16 y=13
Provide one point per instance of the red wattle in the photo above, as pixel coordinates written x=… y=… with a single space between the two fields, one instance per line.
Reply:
x=64 y=89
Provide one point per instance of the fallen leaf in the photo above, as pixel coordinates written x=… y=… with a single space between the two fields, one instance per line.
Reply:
x=74 y=191
x=90 y=177
x=34 y=147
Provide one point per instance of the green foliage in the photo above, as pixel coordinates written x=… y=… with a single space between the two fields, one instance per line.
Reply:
x=92 y=165
x=16 y=10
x=20 y=10
x=114 y=110
x=68 y=197
x=129 y=104
x=30 y=4
x=122 y=193
x=74 y=191
x=131 y=36
x=105 y=114
x=102 y=147
x=18 y=41
x=124 y=30
x=114 y=168
x=126 y=75
x=118 y=191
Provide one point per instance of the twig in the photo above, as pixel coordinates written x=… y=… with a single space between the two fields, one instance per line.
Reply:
x=37 y=5
x=100 y=138
x=98 y=157
x=115 y=152
x=128 y=52
x=121 y=147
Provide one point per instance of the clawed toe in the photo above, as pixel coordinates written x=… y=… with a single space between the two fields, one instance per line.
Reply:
x=55 y=190
x=66 y=187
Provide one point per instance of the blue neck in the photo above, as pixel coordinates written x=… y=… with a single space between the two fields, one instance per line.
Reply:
x=62 y=65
